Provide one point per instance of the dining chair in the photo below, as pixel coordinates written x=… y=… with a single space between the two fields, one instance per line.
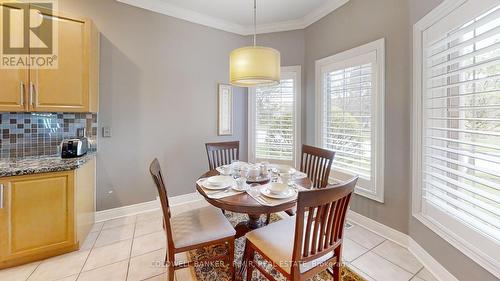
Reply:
x=316 y=163
x=192 y=229
x=222 y=153
x=309 y=243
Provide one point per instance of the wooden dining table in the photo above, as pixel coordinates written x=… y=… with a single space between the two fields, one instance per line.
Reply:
x=245 y=204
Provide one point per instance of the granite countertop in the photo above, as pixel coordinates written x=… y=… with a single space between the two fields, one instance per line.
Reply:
x=41 y=164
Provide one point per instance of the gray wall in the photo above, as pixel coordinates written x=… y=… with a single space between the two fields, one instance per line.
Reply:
x=356 y=23
x=158 y=92
x=452 y=259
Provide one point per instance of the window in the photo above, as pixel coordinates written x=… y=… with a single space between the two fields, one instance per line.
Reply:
x=457 y=128
x=274 y=122
x=350 y=115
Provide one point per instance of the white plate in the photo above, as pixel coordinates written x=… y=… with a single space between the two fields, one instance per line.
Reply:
x=218 y=182
x=287 y=194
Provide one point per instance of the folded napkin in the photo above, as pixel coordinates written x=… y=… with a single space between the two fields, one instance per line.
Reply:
x=217 y=194
x=255 y=192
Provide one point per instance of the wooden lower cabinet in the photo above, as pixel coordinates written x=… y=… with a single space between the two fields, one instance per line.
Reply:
x=44 y=215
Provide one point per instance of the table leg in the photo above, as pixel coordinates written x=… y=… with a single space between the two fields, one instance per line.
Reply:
x=253 y=222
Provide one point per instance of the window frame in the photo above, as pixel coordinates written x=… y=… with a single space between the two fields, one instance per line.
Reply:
x=461 y=241
x=286 y=71
x=378 y=115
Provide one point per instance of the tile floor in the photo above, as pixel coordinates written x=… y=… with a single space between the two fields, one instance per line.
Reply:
x=132 y=249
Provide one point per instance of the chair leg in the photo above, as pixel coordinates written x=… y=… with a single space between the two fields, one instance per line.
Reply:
x=249 y=260
x=171 y=273
x=336 y=267
x=231 y=258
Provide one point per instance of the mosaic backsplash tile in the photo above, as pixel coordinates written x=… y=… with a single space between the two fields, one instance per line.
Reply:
x=40 y=134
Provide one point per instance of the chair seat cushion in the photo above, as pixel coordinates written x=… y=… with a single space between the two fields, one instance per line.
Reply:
x=200 y=226
x=276 y=242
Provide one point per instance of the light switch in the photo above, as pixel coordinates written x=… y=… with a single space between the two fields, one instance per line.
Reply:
x=106 y=132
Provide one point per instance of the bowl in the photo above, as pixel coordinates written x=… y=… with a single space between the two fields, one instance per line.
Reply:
x=277 y=188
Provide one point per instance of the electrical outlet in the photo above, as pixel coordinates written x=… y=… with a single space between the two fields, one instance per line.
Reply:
x=106 y=132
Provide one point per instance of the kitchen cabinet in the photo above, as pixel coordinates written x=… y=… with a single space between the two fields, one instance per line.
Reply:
x=72 y=86
x=44 y=215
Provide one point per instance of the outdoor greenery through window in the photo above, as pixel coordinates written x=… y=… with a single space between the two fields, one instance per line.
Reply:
x=461 y=153
x=347 y=118
x=274 y=132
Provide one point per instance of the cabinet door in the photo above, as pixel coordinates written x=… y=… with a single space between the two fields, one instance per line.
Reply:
x=4 y=222
x=14 y=81
x=40 y=217
x=66 y=88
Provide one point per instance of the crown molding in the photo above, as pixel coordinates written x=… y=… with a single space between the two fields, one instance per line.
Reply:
x=165 y=8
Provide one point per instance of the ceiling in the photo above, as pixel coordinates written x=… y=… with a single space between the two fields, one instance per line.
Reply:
x=236 y=16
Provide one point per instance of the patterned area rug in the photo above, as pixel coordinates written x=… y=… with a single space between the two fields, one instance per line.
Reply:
x=220 y=271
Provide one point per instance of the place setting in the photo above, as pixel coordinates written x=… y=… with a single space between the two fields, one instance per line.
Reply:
x=268 y=184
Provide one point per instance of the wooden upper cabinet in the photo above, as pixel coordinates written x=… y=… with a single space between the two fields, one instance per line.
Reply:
x=72 y=86
x=13 y=89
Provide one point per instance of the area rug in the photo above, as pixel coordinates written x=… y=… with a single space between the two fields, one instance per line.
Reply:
x=220 y=271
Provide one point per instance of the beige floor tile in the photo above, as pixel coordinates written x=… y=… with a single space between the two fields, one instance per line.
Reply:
x=60 y=267
x=69 y=278
x=399 y=256
x=97 y=227
x=352 y=250
x=108 y=254
x=363 y=237
x=148 y=243
x=157 y=214
x=112 y=272
x=89 y=241
x=146 y=266
x=148 y=226
x=416 y=279
x=18 y=273
x=115 y=234
x=361 y=273
x=119 y=222
x=426 y=275
x=161 y=277
x=381 y=269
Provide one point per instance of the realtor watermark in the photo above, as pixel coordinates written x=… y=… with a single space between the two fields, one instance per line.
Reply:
x=29 y=35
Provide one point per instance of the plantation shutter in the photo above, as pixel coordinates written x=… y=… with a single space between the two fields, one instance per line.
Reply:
x=275 y=121
x=461 y=124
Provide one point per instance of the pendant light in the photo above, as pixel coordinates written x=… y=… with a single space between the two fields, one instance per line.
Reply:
x=254 y=65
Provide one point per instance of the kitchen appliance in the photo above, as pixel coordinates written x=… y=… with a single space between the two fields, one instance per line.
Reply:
x=73 y=148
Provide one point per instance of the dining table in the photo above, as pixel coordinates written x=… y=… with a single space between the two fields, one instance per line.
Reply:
x=244 y=203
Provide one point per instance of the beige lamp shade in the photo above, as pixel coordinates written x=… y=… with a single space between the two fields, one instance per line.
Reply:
x=255 y=66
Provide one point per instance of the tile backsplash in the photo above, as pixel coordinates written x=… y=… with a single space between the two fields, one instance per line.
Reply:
x=40 y=134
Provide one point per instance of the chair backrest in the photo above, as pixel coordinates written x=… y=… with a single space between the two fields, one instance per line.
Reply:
x=316 y=163
x=157 y=175
x=222 y=153
x=321 y=231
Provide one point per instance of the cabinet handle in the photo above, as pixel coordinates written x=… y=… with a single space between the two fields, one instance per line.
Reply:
x=1 y=196
x=22 y=92
x=32 y=93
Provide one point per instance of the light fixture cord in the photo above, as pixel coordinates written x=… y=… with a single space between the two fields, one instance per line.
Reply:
x=254 y=23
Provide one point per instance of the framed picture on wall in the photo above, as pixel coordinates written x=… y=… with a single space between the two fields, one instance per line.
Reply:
x=225 y=119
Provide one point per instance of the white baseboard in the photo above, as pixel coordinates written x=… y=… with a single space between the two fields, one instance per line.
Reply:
x=405 y=241
x=181 y=200
x=430 y=263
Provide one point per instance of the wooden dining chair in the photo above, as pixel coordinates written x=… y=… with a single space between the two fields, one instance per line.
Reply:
x=316 y=163
x=193 y=229
x=302 y=246
x=222 y=153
